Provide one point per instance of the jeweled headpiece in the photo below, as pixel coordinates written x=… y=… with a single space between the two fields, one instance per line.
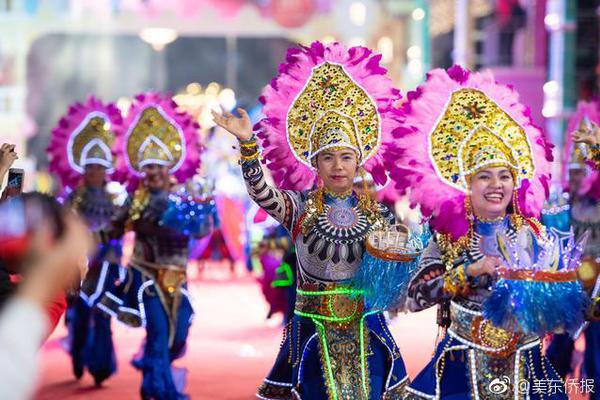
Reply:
x=455 y=124
x=325 y=97
x=475 y=133
x=84 y=136
x=155 y=132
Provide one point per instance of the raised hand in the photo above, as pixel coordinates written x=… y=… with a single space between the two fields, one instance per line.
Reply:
x=7 y=157
x=240 y=127
x=589 y=136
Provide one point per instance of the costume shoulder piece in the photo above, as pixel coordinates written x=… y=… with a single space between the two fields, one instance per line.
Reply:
x=155 y=132
x=456 y=123
x=84 y=136
x=325 y=97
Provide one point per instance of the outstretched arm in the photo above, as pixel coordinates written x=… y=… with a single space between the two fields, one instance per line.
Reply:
x=280 y=204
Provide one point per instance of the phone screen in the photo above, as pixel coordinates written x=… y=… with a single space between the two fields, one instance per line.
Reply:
x=14 y=185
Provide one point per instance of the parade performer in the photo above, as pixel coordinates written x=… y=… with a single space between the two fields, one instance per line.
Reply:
x=158 y=142
x=468 y=154
x=80 y=152
x=269 y=254
x=326 y=117
x=582 y=213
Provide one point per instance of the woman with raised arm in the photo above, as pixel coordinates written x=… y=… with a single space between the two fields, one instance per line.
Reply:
x=327 y=114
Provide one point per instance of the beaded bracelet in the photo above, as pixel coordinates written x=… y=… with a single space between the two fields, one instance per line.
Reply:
x=248 y=159
x=248 y=144
x=248 y=149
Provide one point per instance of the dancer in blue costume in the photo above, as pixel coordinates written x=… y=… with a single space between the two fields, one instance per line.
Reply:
x=583 y=215
x=322 y=121
x=80 y=153
x=474 y=162
x=160 y=142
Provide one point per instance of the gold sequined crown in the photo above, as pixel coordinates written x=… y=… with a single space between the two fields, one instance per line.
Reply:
x=475 y=133
x=90 y=143
x=332 y=112
x=155 y=139
x=333 y=131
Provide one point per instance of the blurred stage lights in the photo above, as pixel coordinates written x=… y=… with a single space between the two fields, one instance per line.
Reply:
x=385 y=46
x=158 y=38
x=415 y=67
x=551 y=88
x=123 y=104
x=550 y=109
x=200 y=101
x=552 y=21
x=414 y=52
x=552 y=94
x=358 y=13
x=418 y=14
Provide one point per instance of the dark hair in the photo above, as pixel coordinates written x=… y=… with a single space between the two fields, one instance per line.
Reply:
x=48 y=208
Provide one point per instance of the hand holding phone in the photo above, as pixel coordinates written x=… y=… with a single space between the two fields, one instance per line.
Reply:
x=14 y=185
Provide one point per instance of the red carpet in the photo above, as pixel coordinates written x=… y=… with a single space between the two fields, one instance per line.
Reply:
x=230 y=349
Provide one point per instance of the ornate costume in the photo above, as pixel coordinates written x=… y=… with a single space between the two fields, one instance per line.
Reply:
x=456 y=124
x=83 y=137
x=153 y=294
x=582 y=213
x=326 y=97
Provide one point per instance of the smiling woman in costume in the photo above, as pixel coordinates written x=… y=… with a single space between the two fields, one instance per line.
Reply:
x=468 y=154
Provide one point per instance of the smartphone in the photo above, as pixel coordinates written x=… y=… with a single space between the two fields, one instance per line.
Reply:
x=14 y=186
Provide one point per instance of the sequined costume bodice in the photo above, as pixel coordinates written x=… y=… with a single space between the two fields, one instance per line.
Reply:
x=154 y=243
x=94 y=205
x=332 y=250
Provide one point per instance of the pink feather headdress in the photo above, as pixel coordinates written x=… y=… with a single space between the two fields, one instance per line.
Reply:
x=591 y=184
x=288 y=165
x=410 y=158
x=84 y=135
x=155 y=131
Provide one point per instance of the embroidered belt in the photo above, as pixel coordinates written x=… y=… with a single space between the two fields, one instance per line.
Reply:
x=471 y=328
x=538 y=276
x=168 y=277
x=340 y=305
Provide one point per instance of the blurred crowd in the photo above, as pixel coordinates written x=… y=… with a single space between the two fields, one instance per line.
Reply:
x=44 y=249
